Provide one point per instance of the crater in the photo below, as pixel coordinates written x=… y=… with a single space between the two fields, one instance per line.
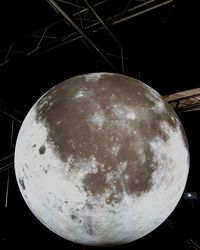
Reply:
x=42 y=149
x=73 y=217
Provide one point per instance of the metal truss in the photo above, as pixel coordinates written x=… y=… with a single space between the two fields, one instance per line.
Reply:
x=186 y=104
x=78 y=20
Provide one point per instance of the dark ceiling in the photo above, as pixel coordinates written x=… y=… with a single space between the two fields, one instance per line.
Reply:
x=160 y=45
x=155 y=41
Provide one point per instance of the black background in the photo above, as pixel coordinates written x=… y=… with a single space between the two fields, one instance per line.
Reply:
x=163 y=51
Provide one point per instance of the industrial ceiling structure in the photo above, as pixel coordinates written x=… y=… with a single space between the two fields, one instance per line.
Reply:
x=45 y=42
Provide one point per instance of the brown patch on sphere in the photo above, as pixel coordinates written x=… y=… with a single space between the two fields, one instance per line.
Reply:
x=95 y=183
x=87 y=117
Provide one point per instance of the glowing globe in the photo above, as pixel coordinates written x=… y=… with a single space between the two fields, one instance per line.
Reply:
x=101 y=159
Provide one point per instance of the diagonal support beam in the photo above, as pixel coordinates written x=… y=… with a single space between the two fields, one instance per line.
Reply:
x=108 y=30
x=57 y=7
x=103 y=23
x=11 y=112
x=142 y=11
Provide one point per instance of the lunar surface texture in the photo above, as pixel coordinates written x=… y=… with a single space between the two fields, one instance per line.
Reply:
x=101 y=159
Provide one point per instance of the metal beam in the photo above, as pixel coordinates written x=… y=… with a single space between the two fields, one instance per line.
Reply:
x=121 y=20
x=141 y=5
x=7 y=157
x=95 y=5
x=108 y=30
x=186 y=103
x=57 y=7
x=103 y=23
x=112 y=20
x=6 y=167
x=11 y=112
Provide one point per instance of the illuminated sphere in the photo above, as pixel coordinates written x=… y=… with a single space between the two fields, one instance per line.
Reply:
x=101 y=159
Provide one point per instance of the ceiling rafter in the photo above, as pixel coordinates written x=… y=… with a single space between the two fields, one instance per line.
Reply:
x=81 y=32
x=57 y=34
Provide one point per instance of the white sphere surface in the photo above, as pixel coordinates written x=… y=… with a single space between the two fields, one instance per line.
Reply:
x=101 y=159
